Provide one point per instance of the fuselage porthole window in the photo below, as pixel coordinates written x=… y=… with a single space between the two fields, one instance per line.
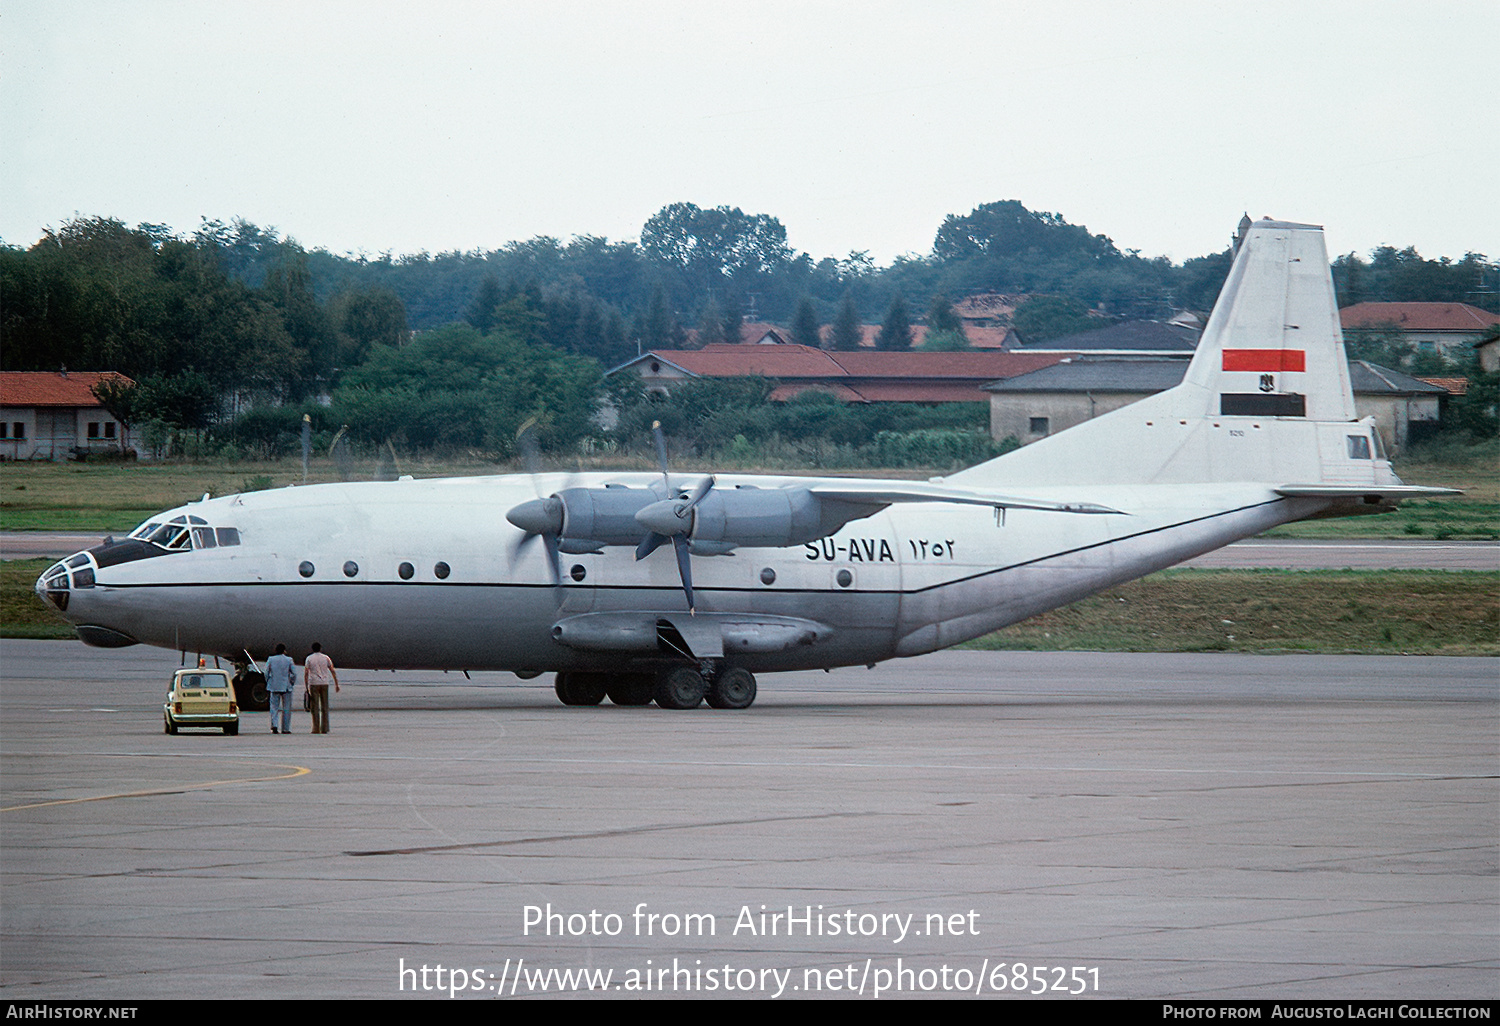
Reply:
x=845 y=578
x=305 y=568
x=442 y=570
x=406 y=570
x=351 y=568
x=768 y=576
x=578 y=572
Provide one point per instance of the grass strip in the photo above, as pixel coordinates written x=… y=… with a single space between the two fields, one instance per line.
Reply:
x=1367 y=612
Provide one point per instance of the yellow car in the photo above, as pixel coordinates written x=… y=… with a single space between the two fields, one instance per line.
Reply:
x=201 y=698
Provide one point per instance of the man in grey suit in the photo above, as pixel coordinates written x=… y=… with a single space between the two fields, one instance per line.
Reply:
x=281 y=677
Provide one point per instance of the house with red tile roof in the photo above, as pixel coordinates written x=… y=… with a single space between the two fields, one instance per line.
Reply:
x=864 y=376
x=54 y=415
x=1448 y=327
x=763 y=334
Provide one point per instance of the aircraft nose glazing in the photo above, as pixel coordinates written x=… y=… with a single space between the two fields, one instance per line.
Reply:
x=53 y=587
x=63 y=578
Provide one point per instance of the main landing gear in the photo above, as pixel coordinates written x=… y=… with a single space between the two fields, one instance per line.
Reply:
x=676 y=687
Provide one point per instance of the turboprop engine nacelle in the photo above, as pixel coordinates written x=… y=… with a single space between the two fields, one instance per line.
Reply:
x=585 y=518
x=754 y=517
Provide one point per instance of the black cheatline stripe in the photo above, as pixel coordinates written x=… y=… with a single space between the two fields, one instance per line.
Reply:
x=718 y=590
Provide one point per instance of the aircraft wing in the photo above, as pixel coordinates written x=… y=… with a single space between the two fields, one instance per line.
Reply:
x=884 y=493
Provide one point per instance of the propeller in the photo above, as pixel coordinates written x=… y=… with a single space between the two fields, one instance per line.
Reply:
x=671 y=518
x=541 y=517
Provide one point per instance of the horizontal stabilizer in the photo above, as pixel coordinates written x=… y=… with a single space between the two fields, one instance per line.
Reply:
x=1380 y=493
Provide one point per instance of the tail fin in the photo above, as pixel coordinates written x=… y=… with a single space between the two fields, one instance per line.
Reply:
x=1266 y=397
x=1273 y=346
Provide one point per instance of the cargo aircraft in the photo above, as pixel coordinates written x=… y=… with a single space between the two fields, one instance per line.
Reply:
x=679 y=588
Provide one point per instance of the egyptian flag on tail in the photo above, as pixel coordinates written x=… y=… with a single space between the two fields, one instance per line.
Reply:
x=1275 y=348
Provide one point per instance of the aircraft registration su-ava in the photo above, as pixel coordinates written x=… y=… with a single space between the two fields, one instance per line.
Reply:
x=678 y=588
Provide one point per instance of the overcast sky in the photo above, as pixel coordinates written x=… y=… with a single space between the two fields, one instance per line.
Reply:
x=378 y=126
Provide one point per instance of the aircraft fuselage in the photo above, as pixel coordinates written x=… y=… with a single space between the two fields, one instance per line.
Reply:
x=427 y=574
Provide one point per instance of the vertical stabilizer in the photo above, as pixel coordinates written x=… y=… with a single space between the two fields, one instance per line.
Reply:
x=1268 y=370
x=1273 y=346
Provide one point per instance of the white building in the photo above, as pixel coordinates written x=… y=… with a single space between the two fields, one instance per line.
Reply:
x=54 y=415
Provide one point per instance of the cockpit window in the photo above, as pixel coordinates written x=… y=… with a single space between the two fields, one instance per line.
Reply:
x=1359 y=447
x=184 y=532
x=170 y=536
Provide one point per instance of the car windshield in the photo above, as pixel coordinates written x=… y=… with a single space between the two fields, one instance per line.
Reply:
x=203 y=680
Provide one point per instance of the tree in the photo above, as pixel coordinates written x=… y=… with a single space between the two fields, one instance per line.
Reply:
x=1008 y=229
x=481 y=312
x=942 y=318
x=848 y=330
x=724 y=240
x=367 y=318
x=733 y=321
x=805 y=326
x=945 y=342
x=895 y=330
x=1043 y=318
x=288 y=287
x=711 y=324
x=656 y=326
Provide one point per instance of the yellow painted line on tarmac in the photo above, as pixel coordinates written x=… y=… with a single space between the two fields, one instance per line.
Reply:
x=297 y=771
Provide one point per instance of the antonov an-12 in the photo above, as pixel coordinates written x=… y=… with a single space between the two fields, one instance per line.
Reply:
x=644 y=586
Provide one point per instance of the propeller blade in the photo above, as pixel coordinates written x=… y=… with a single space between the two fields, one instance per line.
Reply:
x=549 y=546
x=684 y=567
x=661 y=453
x=704 y=487
x=554 y=561
x=648 y=544
x=526 y=446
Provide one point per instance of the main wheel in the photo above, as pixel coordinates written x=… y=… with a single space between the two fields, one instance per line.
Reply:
x=734 y=688
x=171 y=727
x=231 y=729
x=681 y=687
x=250 y=692
x=579 y=688
x=632 y=689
